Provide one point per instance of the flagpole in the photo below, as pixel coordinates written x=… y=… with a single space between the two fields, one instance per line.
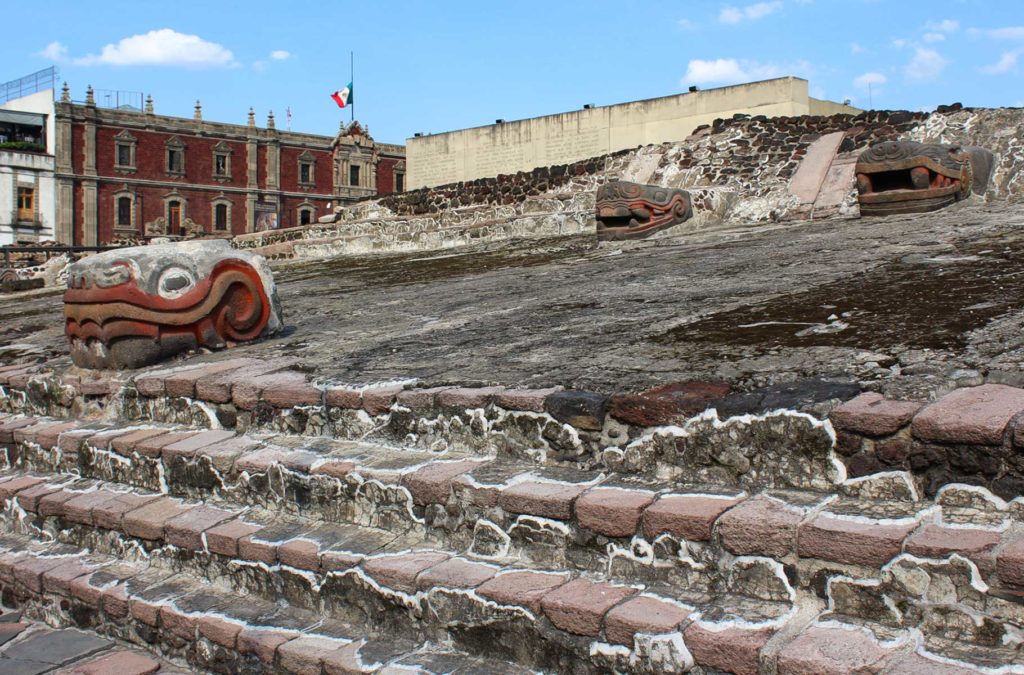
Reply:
x=352 y=79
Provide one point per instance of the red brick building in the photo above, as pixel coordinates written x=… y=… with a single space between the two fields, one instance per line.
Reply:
x=122 y=172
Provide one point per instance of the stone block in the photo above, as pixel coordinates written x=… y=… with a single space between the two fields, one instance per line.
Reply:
x=219 y=630
x=530 y=400
x=263 y=643
x=846 y=541
x=666 y=404
x=11 y=487
x=125 y=445
x=152 y=446
x=642 y=614
x=378 y=400
x=464 y=398
x=183 y=382
x=821 y=649
x=613 y=512
x=120 y=662
x=28 y=498
x=729 y=649
x=188 y=446
x=521 y=588
x=454 y=573
x=548 y=500
x=79 y=509
x=1010 y=562
x=305 y=654
x=935 y=541
x=420 y=400
x=973 y=416
x=581 y=409
x=217 y=388
x=432 y=484
x=148 y=521
x=400 y=571
x=186 y=531
x=760 y=526
x=110 y=514
x=871 y=414
x=690 y=517
x=579 y=606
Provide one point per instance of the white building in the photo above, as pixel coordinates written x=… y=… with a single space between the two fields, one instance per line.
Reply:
x=27 y=185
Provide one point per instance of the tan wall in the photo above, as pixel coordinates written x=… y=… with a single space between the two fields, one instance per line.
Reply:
x=819 y=107
x=558 y=139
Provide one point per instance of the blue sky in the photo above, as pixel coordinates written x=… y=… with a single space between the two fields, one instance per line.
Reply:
x=435 y=66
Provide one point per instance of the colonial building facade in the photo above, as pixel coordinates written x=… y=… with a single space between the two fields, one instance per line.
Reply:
x=27 y=210
x=127 y=173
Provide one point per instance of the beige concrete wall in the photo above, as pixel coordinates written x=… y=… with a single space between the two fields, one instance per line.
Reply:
x=819 y=107
x=567 y=137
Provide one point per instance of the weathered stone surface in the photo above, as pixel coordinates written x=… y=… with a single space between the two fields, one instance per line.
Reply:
x=186 y=530
x=305 y=654
x=847 y=541
x=822 y=649
x=119 y=662
x=525 y=589
x=1010 y=562
x=760 y=526
x=798 y=395
x=223 y=538
x=181 y=296
x=579 y=606
x=581 y=409
x=728 y=649
x=688 y=516
x=147 y=522
x=524 y=399
x=400 y=571
x=666 y=404
x=431 y=484
x=549 y=500
x=455 y=573
x=935 y=541
x=612 y=512
x=872 y=414
x=976 y=415
x=642 y=614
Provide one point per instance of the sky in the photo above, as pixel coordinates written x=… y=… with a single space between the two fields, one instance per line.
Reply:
x=433 y=66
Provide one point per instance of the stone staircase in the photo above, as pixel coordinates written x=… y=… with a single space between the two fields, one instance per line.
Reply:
x=239 y=516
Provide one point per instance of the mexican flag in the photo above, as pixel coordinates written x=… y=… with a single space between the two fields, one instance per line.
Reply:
x=343 y=97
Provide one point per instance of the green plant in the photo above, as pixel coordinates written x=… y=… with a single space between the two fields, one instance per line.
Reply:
x=22 y=145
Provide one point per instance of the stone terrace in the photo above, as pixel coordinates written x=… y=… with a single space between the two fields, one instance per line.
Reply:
x=520 y=529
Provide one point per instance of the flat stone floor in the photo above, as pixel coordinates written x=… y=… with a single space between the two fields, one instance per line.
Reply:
x=29 y=648
x=903 y=304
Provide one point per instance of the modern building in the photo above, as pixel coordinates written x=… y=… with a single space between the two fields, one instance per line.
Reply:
x=27 y=207
x=125 y=172
x=507 y=147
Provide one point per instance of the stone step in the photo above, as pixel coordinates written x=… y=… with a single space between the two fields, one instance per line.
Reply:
x=548 y=624
x=756 y=561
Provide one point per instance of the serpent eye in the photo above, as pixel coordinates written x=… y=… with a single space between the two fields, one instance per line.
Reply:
x=175 y=282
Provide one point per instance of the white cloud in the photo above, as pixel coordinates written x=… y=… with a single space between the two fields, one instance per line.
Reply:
x=944 y=26
x=899 y=43
x=686 y=24
x=758 y=10
x=926 y=65
x=933 y=37
x=164 y=47
x=862 y=81
x=1007 y=33
x=1006 y=63
x=732 y=71
x=280 y=55
x=856 y=48
x=54 y=51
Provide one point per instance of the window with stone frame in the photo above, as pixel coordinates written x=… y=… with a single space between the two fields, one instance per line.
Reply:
x=222 y=215
x=399 y=182
x=173 y=216
x=124 y=151
x=222 y=160
x=353 y=174
x=306 y=215
x=175 y=165
x=307 y=168
x=124 y=211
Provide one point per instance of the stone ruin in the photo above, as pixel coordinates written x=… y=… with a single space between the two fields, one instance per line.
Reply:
x=253 y=512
